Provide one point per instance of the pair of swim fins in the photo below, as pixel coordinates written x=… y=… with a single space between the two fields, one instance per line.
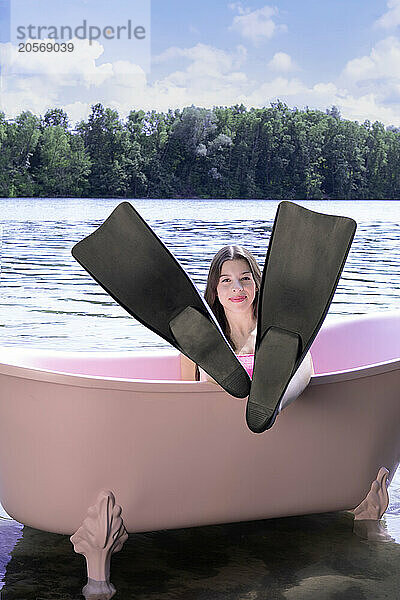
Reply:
x=305 y=258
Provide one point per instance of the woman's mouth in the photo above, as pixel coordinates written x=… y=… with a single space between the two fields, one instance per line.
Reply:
x=238 y=298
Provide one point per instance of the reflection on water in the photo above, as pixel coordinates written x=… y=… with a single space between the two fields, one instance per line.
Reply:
x=296 y=558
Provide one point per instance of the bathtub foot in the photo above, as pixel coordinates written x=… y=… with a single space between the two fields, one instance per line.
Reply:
x=101 y=534
x=368 y=514
x=98 y=590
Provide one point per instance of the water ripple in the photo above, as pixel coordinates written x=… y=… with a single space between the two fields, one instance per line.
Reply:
x=39 y=276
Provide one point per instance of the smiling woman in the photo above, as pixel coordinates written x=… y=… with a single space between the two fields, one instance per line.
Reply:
x=232 y=293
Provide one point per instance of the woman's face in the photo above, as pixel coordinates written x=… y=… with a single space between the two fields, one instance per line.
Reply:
x=236 y=288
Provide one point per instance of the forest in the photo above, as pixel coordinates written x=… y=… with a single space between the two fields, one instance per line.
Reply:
x=274 y=152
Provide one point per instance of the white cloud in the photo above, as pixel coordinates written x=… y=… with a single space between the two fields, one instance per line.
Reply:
x=391 y=18
x=376 y=79
x=211 y=57
x=77 y=111
x=368 y=107
x=211 y=76
x=282 y=62
x=27 y=95
x=382 y=63
x=46 y=80
x=372 y=84
x=64 y=66
x=280 y=87
x=170 y=53
x=368 y=88
x=237 y=7
x=255 y=25
x=327 y=89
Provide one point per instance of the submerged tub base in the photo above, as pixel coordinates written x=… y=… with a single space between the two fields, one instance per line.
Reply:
x=103 y=533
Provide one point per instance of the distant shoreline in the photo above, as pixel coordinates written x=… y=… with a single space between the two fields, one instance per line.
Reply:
x=122 y=199
x=233 y=152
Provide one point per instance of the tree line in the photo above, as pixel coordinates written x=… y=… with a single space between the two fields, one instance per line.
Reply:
x=227 y=152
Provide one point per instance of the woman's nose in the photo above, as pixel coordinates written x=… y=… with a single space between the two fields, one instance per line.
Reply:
x=237 y=285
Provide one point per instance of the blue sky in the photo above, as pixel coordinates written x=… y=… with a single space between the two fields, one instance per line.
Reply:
x=314 y=53
x=324 y=32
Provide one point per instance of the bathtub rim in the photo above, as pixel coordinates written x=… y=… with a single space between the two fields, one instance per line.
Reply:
x=167 y=386
x=173 y=386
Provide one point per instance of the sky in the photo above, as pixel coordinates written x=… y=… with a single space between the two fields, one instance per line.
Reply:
x=208 y=53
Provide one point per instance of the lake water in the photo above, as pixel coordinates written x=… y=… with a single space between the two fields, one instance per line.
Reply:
x=49 y=301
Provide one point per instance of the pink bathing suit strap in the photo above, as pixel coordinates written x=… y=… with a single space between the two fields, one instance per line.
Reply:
x=247 y=360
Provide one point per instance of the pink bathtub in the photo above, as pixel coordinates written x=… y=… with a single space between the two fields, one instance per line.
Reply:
x=123 y=435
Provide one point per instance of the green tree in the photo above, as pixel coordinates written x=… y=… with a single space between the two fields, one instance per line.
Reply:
x=19 y=141
x=56 y=117
x=63 y=165
x=103 y=136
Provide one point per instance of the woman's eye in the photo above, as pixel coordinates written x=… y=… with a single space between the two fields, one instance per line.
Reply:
x=247 y=278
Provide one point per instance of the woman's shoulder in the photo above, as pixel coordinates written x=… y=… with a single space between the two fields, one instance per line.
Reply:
x=188 y=369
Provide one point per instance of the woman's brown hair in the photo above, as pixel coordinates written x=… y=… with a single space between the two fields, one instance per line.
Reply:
x=210 y=295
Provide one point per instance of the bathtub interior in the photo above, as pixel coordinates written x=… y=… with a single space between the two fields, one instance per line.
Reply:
x=347 y=344
x=158 y=365
x=353 y=343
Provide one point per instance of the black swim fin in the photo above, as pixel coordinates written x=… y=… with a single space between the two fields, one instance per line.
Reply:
x=130 y=262
x=305 y=258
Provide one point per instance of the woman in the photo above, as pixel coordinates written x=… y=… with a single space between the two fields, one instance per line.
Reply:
x=232 y=293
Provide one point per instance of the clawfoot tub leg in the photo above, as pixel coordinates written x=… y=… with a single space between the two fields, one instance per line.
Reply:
x=368 y=514
x=101 y=534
